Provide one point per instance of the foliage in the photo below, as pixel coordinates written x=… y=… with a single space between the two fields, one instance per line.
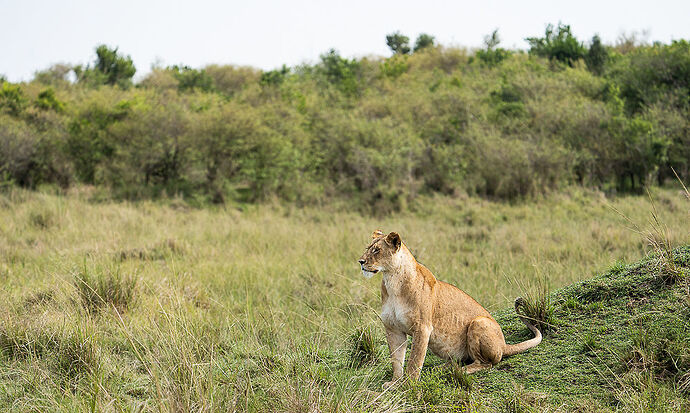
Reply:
x=110 y=68
x=561 y=46
x=47 y=100
x=394 y=67
x=492 y=55
x=423 y=41
x=597 y=56
x=659 y=73
x=89 y=143
x=190 y=79
x=56 y=75
x=340 y=71
x=275 y=77
x=399 y=43
x=379 y=132
x=230 y=80
x=12 y=99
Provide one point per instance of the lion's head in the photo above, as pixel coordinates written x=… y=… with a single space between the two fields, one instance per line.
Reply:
x=378 y=255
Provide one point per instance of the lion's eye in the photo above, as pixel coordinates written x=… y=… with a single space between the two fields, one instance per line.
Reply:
x=375 y=251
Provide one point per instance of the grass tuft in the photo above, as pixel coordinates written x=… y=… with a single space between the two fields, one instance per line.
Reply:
x=76 y=353
x=158 y=251
x=41 y=219
x=456 y=375
x=363 y=348
x=589 y=344
x=536 y=305
x=105 y=289
x=522 y=401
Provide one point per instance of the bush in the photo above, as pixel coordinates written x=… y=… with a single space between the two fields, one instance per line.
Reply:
x=12 y=99
x=29 y=157
x=110 y=68
x=597 y=56
x=659 y=73
x=561 y=46
x=192 y=79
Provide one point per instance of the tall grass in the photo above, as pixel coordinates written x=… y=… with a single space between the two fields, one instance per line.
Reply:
x=228 y=310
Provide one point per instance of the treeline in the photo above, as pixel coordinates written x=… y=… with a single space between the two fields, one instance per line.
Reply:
x=380 y=131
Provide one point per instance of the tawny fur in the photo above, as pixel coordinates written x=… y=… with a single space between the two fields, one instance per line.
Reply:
x=437 y=315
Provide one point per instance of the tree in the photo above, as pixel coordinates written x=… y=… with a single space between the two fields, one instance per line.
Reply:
x=398 y=43
x=492 y=55
x=340 y=71
x=561 y=46
x=596 y=56
x=110 y=68
x=423 y=41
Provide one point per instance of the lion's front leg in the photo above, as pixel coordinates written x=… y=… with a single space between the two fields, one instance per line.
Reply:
x=397 y=344
x=420 y=342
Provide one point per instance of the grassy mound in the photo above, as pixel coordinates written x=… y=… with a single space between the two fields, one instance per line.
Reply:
x=619 y=341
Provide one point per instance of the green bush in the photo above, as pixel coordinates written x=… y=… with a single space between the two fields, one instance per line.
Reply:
x=110 y=68
x=12 y=99
x=558 y=45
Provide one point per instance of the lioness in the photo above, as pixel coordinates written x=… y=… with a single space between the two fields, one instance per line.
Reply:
x=436 y=314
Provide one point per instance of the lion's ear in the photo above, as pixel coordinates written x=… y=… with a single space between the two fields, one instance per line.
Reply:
x=393 y=239
x=377 y=234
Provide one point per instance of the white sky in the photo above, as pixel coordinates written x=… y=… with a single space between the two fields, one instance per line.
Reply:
x=35 y=34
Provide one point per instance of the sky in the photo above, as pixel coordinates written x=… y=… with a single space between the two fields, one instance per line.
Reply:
x=34 y=34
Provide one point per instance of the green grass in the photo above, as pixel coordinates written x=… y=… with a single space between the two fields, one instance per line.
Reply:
x=162 y=307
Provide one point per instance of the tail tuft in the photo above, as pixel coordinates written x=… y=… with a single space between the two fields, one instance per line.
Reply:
x=519 y=302
x=512 y=349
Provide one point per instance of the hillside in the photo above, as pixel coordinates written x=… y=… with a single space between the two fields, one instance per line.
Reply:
x=619 y=341
x=375 y=133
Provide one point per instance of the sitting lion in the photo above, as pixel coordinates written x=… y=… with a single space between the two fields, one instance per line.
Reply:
x=436 y=314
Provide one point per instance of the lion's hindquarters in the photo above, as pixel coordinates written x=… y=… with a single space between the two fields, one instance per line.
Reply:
x=485 y=342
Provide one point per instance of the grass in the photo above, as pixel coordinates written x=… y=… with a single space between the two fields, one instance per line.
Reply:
x=162 y=307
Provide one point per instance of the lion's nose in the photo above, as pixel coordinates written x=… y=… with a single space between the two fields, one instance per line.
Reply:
x=362 y=261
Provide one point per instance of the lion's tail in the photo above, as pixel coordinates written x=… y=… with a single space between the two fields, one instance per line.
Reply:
x=512 y=349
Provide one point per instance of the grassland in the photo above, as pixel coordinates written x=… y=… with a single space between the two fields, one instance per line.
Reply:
x=156 y=306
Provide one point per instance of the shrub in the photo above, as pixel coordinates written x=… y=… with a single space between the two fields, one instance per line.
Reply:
x=48 y=101
x=561 y=46
x=658 y=73
x=190 y=79
x=230 y=80
x=12 y=99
